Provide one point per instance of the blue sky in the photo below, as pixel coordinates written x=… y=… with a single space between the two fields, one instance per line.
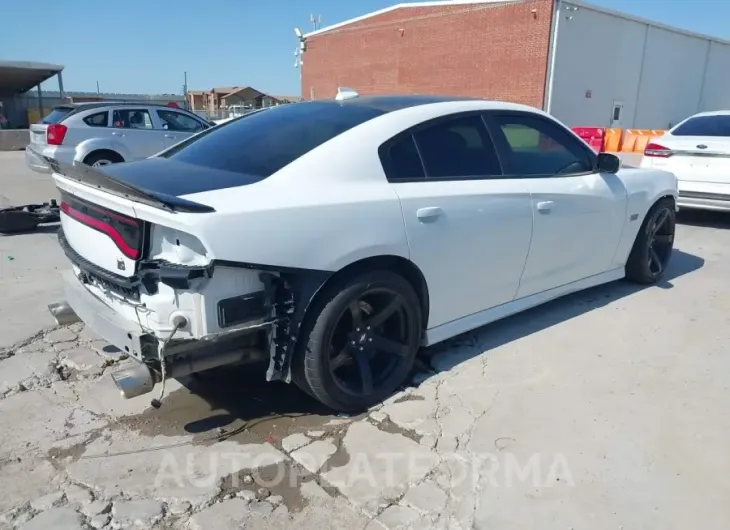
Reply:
x=145 y=46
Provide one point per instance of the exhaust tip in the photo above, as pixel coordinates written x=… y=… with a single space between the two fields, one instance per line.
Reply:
x=133 y=381
x=63 y=313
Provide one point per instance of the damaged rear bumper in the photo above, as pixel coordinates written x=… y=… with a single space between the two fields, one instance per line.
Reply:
x=126 y=335
x=183 y=357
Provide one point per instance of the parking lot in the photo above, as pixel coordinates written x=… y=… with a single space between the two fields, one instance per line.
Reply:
x=604 y=410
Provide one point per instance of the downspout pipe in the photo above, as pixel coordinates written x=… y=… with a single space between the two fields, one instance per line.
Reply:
x=550 y=74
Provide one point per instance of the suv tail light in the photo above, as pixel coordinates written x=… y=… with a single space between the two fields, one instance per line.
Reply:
x=55 y=133
x=657 y=150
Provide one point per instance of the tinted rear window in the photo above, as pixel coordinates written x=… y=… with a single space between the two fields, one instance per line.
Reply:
x=56 y=115
x=262 y=143
x=704 y=126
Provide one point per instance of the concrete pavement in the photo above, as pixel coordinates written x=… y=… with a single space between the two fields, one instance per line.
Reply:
x=30 y=264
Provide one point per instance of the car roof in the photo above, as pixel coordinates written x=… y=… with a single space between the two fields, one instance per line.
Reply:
x=712 y=113
x=393 y=103
x=98 y=104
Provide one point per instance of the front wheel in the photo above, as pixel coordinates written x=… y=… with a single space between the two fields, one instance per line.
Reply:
x=359 y=344
x=652 y=249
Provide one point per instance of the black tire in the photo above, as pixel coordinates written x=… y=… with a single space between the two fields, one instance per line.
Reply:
x=653 y=246
x=313 y=356
x=103 y=156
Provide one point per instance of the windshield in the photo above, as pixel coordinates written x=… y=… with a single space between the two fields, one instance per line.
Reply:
x=56 y=115
x=261 y=143
x=718 y=125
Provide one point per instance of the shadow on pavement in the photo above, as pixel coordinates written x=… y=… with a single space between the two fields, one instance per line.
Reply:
x=502 y=332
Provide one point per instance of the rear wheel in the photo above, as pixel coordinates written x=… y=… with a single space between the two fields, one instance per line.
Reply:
x=654 y=243
x=102 y=158
x=359 y=343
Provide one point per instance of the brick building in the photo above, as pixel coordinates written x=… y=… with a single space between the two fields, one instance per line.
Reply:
x=486 y=49
x=584 y=64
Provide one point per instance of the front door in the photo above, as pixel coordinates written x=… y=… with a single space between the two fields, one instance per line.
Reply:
x=134 y=127
x=177 y=126
x=468 y=229
x=578 y=213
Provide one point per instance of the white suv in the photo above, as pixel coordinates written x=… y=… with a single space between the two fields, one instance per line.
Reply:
x=98 y=134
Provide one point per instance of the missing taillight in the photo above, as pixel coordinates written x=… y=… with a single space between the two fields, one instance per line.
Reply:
x=657 y=150
x=126 y=232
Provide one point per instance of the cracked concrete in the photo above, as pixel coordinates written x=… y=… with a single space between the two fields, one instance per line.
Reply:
x=605 y=410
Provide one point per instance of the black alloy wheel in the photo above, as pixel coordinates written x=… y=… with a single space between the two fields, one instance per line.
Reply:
x=654 y=243
x=363 y=343
x=660 y=241
x=369 y=342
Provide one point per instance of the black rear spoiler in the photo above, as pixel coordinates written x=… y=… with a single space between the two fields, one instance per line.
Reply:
x=90 y=176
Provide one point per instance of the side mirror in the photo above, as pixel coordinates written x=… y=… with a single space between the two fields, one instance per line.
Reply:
x=608 y=163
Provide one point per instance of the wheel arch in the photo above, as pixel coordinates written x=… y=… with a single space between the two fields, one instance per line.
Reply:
x=93 y=145
x=639 y=207
x=110 y=152
x=304 y=288
x=398 y=264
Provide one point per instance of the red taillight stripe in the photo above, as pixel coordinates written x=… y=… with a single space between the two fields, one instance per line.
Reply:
x=102 y=227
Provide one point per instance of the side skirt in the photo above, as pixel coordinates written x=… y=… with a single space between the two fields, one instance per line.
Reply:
x=476 y=320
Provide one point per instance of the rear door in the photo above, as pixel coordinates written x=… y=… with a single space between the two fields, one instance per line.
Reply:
x=468 y=228
x=177 y=126
x=91 y=124
x=578 y=213
x=135 y=128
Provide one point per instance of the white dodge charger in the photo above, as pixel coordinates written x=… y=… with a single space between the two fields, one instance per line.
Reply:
x=335 y=238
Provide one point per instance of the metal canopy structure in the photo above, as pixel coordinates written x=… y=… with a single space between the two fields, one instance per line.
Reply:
x=20 y=76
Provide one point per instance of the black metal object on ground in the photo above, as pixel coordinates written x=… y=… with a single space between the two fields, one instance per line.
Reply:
x=26 y=218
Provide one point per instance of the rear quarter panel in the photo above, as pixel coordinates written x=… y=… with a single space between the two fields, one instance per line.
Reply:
x=291 y=222
x=327 y=209
x=644 y=188
x=100 y=138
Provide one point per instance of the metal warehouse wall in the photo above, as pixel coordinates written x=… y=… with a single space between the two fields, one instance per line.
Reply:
x=494 y=50
x=660 y=75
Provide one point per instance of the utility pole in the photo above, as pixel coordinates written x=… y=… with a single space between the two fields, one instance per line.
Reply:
x=185 y=91
x=97 y=88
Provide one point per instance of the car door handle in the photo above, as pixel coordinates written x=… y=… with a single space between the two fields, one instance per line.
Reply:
x=169 y=136
x=545 y=206
x=427 y=215
x=117 y=134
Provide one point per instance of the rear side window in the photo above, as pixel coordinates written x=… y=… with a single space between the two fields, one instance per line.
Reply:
x=100 y=119
x=56 y=115
x=458 y=147
x=704 y=126
x=263 y=142
x=404 y=161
